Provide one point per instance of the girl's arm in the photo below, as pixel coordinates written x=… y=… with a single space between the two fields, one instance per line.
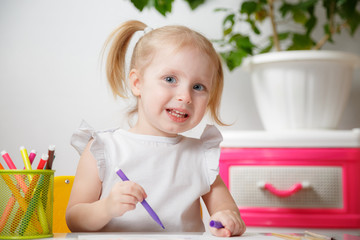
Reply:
x=222 y=207
x=85 y=212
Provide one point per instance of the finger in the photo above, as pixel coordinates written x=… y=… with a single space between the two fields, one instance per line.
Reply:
x=122 y=208
x=127 y=199
x=222 y=232
x=239 y=227
x=243 y=227
x=133 y=189
x=234 y=225
x=231 y=226
x=120 y=205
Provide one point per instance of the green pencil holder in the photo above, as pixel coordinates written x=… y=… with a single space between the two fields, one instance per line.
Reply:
x=26 y=204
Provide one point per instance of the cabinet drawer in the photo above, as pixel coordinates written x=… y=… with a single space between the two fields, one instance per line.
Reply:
x=324 y=191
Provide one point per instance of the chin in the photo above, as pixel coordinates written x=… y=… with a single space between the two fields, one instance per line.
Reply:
x=180 y=129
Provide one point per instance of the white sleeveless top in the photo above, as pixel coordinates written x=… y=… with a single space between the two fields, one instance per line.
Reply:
x=174 y=172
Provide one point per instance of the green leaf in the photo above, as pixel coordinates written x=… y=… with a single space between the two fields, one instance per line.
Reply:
x=299 y=10
x=228 y=24
x=234 y=58
x=299 y=16
x=354 y=23
x=301 y=42
x=140 y=4
x=229 y=19
x=194 y=3
x=328 y=32
x=221 y=10
x=248 y=7
x=329 y=6
x=243 y=43
x=227 y=31
x=285 y=9
x=307 y=4
x=253 y=26
x=283 y=36
x=310 y=25
x=163 y=6
x=348 y=10
x=267 y=49
x=261 y=15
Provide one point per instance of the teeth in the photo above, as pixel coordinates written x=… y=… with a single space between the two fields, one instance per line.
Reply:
x=177 y=113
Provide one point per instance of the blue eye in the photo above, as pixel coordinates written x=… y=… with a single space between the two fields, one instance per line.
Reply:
x=170 y=79
x=199 y=87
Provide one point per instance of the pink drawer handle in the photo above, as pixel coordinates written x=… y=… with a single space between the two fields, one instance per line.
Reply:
x=284 y=193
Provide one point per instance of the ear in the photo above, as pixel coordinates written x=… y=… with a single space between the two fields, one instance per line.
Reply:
x=135 y=83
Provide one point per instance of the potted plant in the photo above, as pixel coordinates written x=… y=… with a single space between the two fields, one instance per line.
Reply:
x=295 y=85
x=163 y=6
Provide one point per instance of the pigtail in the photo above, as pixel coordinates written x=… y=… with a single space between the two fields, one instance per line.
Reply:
x=215 y=101
x=119 y=41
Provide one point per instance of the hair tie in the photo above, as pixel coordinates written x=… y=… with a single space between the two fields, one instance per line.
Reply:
x=147 y=30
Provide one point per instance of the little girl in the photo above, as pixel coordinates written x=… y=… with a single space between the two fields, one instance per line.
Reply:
x=176 y=76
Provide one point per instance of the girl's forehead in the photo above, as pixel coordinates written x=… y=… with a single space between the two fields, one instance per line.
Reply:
x=181 y=56
x=174 y=51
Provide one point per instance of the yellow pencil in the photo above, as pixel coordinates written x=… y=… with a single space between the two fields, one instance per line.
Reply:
x=286 y=236
x=318 y=236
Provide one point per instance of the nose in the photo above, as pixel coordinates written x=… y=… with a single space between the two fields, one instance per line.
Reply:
x=184 y=96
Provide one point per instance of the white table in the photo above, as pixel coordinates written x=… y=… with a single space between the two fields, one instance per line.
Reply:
x=251 y=233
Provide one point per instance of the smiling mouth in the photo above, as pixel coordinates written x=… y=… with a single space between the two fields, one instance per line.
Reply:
x=177 y=113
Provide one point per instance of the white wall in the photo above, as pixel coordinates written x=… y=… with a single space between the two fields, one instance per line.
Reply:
x=50 y=75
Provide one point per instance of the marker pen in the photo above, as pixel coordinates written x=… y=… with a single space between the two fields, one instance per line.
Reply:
x=32 y=156
x=42 y=162
x=25 y=157
x=147 y=207
x=51 y=153
x=8 y=160
x=12 y=166
x=215 y=224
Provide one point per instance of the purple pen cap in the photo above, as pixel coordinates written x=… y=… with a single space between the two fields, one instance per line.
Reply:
x=215 y=224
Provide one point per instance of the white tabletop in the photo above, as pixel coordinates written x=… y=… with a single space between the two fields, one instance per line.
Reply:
x=251 y=233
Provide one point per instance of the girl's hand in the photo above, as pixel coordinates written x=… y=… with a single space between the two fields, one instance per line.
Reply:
x=232 y=222
x=123 y=197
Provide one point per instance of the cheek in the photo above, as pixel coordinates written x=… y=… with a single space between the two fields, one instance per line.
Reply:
x=202 y=105
x=156 y=97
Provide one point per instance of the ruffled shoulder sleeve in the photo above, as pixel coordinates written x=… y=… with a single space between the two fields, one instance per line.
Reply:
x=81 y=138
x=211 y=138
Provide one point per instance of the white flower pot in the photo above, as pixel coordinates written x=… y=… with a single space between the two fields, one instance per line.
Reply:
x=302 y=89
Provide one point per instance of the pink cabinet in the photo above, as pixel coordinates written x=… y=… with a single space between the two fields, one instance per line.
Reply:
x=294 y=186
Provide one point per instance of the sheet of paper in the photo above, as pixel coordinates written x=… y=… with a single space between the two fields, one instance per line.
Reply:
x=205 y=236
x=135 y=237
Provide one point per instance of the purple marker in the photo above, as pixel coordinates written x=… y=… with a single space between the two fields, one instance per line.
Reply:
x=147 y=207
x=216 y=224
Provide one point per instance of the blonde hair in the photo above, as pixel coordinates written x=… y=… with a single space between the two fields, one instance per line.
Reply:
x=177 y=36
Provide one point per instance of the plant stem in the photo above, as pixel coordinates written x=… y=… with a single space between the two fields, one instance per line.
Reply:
x=325 y=38
x=273 y=25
